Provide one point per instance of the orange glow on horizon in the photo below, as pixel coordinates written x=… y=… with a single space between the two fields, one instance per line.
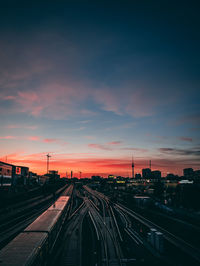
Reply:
x=89 y=166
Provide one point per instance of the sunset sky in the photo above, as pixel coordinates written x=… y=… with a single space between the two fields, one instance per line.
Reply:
x=94 y=83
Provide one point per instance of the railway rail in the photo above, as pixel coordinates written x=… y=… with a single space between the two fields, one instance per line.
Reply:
x=107 y=227
x=70 y=250
x=35 y=244
x=186 y=250
x=15 y=222
x=173 y=239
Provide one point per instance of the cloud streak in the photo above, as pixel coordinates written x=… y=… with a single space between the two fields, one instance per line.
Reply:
x=186 y=139
x=114 y=143
x=15 y=126
x=109 y=146
x=35 y=139
x=100 y=147
x=8 y=137
x=184 y=152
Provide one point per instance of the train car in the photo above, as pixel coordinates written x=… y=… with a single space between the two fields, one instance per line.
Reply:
x=60 y=205
x=49 y=222
x=36 y=242
x=25 y=249
x=63 y=198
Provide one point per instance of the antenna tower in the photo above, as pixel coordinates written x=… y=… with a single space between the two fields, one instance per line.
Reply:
x=132 y=167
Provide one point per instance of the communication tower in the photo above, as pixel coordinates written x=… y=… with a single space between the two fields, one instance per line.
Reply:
x=132 y=168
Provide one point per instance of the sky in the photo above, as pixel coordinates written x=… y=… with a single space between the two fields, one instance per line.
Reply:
x=94 y=83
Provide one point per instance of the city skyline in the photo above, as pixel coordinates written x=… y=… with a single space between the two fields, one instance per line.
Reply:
x=125 y=169
x=94 y=84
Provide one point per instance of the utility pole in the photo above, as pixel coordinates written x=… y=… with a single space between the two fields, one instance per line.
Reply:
x=48 y=156
x=80 y=174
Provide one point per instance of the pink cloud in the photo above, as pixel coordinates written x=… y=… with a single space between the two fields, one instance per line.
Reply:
x=59 y=99
x=34 y=138
x=53 y=100
x=21 y=126
x=58 y=141
x=109 y=101
x=9 y=97
x=49 y=140
x=37 y=110
x=8 y=137
x=135 y=102
x=114 y=145
x=59 y=95
x=12 y=126
x=114 y=142
x=29 y=96
x=30 y=102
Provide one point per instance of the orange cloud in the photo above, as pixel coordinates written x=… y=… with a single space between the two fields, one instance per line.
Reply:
x=34 y=138
x=49 y=140
x=58 y=141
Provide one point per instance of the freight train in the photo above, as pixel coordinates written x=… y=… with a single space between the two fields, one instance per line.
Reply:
x=33 y=246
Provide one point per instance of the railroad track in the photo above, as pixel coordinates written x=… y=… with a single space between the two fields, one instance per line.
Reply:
x=188 y=251
x=173 y=239
x=70 y=251
x=173 y=224
x=17 y=221
x=108 y=227
x=8 y=234
x=18 y=209
x=36 y=243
